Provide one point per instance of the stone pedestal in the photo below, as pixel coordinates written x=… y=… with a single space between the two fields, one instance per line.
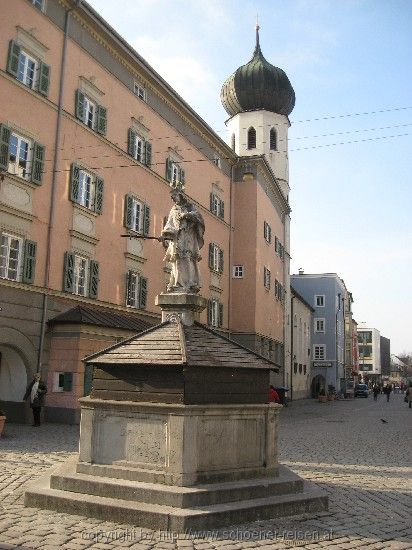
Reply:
x=186 y=306
x=181 y=445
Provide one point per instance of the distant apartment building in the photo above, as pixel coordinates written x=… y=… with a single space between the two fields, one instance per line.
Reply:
x=92 y=139
x=369 y=342
x=326 y=293
x=301 y=346
x=355 y=352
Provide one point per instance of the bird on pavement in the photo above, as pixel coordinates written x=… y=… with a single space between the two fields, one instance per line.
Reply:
x=384 y=421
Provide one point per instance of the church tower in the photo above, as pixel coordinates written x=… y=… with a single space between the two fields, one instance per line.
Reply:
x=259 y=99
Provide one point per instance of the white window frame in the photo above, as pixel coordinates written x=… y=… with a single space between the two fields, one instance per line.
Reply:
x=139 y=91
x=6 y=270
x=319 y=324
x=238 y=271
x=81 y=263
x=14 y=166
x=316 y=300
x=137 y=216
x=56 y=382
x=139 y=148
x=216 y=258
x=23 y=76
x=90 y=112
x=175 y=173
x=215 y=313
x=133 y=298
x=87 y=189
x=216 y=160
x=319 y=352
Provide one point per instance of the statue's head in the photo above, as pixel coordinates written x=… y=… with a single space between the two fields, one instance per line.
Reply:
x=178 y=197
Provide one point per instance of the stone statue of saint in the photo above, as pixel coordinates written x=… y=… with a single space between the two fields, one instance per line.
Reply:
x=183 y=235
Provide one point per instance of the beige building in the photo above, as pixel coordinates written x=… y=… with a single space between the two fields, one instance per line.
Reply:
x=91 y=140
x=301 y=346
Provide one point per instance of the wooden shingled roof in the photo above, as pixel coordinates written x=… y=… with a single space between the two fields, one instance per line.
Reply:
x=172 y=343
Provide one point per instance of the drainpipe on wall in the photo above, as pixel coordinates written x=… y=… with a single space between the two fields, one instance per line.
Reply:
x=231 y=198
x=291 y=347
x=53 y=187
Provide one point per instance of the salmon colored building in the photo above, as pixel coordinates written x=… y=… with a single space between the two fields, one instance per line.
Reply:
x=91 y=140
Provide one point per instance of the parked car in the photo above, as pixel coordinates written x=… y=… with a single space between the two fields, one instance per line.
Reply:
x=361 y=390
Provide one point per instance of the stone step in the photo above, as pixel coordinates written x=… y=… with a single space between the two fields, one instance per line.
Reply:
x=174 y=519
x=67 y=479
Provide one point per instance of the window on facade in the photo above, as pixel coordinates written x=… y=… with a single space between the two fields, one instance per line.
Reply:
x=266 y=278
x=90 y=113
x=136 y=215
x=251 y=138
x=217 y=206
x=38 y=4
x=216 y=160
x=304 y=369
x=365 y=337
x=136 y=290
x=267 y=232
x=139 y=148
x=20 y=154
x=10 y=257
x=319 y=325
x=319 y=300
x=81 y=275
x=279 y=249
x=62 y=381
x=365 y=351
x=140 y=91
x=238 y=271
x=215 y=313
x=279 y=293
x=295 y=368
x=215 y=258
x=319 y=352
x=86 y=189
x=273 y=139
x=233 y=142
x=175 y=174
x=29 y=70
x=300 y=368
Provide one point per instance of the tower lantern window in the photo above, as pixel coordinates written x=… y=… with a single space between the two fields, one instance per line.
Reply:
x=251 y=138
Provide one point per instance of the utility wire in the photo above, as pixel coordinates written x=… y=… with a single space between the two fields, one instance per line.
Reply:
x=228 y=158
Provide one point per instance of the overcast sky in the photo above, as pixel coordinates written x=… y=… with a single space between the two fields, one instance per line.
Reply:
x=350 y=63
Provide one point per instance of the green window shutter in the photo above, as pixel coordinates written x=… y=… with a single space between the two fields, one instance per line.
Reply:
x=13 y=58
x=269 y=234
x=93 y=279
x=168 y=169
x=88 y=379
x=142 y=292
x=276 y=245
x=129 y=275
x=222 y=210
x=148 y=153
x=211 y=203
x=211 y=251
x=182 y=177
x=38 y=163
x=68 y=381
x=98 y=201
x=146 y=219
x=101 y=125
x=68 y=275
x=221 y=261
x=131 y=143
x=29 y=262
x=128 y=211
x=79 y=110
x=44 y=78
x=220 y=322
x=5 y=134
x=74 y=182
x=209 y=312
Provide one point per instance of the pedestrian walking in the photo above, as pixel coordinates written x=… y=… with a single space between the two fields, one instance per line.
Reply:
x=36 y=390
x=387 y=391
x=409 y=395
x=376 y=392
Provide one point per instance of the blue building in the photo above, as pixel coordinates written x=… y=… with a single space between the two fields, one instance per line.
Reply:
x=328 y=295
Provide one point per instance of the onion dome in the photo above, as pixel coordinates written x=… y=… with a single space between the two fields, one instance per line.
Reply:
x=258 y=85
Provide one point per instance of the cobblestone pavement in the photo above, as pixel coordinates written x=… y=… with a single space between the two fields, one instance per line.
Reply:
x=363 y=463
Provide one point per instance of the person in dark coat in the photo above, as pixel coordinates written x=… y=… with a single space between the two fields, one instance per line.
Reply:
x=36 y=391
x=387 y=391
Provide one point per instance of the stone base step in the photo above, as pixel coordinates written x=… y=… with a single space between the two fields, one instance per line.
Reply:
x=67 y=479
x=173 y=518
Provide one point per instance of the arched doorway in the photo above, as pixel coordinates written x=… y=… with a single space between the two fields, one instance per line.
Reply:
x=13 y=375
x=318 y=383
